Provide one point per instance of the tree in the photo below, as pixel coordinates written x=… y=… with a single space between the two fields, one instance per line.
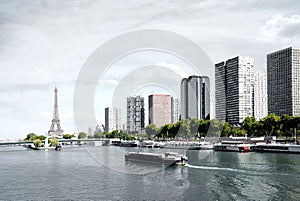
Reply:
x=226 y=129
x=164 y=131
x=41 y=137
x=184 y=128
x=215 y=127
x=151 y=130
x=194 y=126
x=37 y=142
x=286 y=125
x=82 y=135
x=30 y=137
x=250 y=125
x=67 y=136
x=203 y=127
x=173 y=131
x=99 y=135
x=295 y=123
x=271 y=124
x=53 y=142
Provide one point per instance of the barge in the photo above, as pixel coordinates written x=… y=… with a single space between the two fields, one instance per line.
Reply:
x=166 y=159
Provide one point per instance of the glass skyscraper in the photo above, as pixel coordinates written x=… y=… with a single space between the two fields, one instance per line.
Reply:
x=195 y=97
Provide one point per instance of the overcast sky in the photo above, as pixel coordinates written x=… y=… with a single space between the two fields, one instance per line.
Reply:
x=45 y=43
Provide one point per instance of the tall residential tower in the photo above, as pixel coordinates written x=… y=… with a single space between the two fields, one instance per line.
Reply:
x=260 y=95
x=135 y=114
x=234 y=89
x=112 y=119
x=283 y=69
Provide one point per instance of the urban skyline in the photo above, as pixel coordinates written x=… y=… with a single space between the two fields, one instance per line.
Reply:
x=241 y=90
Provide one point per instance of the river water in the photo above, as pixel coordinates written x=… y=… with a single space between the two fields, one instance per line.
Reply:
x=100 y=173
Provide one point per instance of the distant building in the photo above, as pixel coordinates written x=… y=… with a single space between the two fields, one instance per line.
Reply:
x=195 y=97
x=112 y=119
x=260 y=95
x=55 y=128
x=159 y=109
x=175 y=110
x=135 y=114
x=283 y=69
x=234 y=89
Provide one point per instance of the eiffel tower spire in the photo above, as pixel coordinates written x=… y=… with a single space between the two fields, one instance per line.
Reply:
x=55 y=121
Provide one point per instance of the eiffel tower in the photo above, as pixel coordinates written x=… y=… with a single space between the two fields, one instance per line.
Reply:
x=58 y=132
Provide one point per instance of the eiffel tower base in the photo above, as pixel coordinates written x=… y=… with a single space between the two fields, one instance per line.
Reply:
x=56 y=133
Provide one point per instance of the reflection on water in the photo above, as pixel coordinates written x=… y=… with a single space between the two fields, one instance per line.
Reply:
x=100 y=173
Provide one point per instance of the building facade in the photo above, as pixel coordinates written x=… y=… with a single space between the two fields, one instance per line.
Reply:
x=135 y=114
x=112 y=119
x=195 y=97
x=159 y=109
x=234 y=89
x=175 y=110
x=283 y=69
x=260 y=95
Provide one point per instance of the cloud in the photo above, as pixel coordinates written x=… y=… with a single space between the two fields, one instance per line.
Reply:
x=43 y=44
x=279 y=28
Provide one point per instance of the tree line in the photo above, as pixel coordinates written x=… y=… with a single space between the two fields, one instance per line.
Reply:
x=271 y=125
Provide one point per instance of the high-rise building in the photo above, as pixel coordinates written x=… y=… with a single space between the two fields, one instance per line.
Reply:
x=283 y=69
x=175 y=109
x=234 y=89
x=112 y=119
x=135 y=114
x=159 y=109
x=195 y=97
x=260 y=95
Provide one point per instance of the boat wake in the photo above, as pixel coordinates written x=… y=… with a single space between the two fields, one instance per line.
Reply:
x=214 y=168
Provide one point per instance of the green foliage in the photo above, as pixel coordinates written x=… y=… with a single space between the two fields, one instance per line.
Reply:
x=41 y=137
x=271 y=125
x=37 y=142
x=250 y=125
x=99 y=135
x=184 y=128
x=53 y=142
x=30 y=137
x=82 y=135
x=215 y=127
x=141 y=136
x=226 y=129
x=151 y=130
x=68 y=136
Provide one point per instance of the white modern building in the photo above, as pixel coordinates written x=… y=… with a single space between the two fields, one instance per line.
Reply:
x=195 y=97
x=135 y=114
x=234 y=82
x=112 y=119
x=283 y=69
x=175 y=110
x=260 y=95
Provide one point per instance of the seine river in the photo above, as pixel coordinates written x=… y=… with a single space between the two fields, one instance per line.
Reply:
x=100 y=173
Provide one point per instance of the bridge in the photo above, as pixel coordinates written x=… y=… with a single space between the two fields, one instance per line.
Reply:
x=59 y=140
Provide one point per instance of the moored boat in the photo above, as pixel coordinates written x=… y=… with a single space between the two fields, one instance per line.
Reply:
x=166 y=159
x=275 y=147
x=235 y=146
x=182 y=145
